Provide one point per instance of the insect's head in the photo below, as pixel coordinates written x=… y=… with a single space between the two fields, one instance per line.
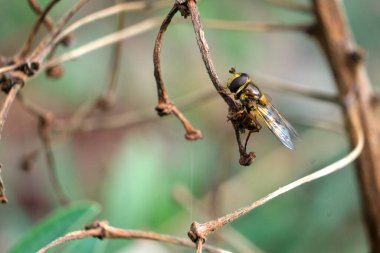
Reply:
x=237 y=82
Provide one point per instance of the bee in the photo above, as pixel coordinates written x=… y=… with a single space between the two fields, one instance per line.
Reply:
x=257 y=103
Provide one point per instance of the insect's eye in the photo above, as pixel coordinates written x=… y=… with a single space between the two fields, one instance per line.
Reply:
x=238 y=82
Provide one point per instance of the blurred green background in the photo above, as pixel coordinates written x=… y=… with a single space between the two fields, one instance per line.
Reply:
x=134 y=172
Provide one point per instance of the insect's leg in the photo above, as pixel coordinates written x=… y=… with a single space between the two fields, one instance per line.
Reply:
x=235 y=115
x=246 y=140
x=257 y=123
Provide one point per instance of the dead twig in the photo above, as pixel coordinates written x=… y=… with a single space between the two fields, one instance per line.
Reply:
x=190 y=8
x=44 y=132
x=128 y=32
x=7 y=105
x=49 y=43
x=3 y=197
x=183 y=196
x=28 y=43
x=256 y=27
x=355 y=91
x=48 y=21
x=101 y=230
x=165 y=106
x=201 y=231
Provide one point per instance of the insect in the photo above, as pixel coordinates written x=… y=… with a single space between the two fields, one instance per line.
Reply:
x=257 y=103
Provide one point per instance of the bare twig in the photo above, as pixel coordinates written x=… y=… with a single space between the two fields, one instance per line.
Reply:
x=3 y=197
x=118 y=8
x=201 y=231
x=165 y=106
x=277 y=84
x=32 y=108
x=128 y=32
x=234 y=108
x=8 y=68
x=27 y=45
x=348 y=69
x=44 y=131
x=256 y=27
x=231 y=236
x=200 y=246
x=7 y=105
x=108 y=98
x=105 y=100
x=47 y=44
x=48 y=21
x=102 y=230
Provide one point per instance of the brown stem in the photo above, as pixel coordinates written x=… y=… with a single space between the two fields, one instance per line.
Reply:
x=165 y=106
x=349 y=72
x=44 y=132
x=200 y=246
x=101 y=230
x=108 y=98
x=7 y=105
x=234 y=108
x=46 y=45
x=3 y=197
x=202 y=230
x=48 y=22
x=28 y=44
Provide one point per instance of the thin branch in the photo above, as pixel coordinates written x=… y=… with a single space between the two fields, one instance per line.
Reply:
x=128 y=32
x=348 y=69
x=255 y=27
x=48 y=21
x=28 y=44
x=44 y=132
x=192 y=10
x=201 y=231
x=127 y=119
x=102 y=230
x=7 y=105
x=277 y=84
x=47 y=44
x=108 y=98
x=8 y=68
x=199 y=246
x=165 y=106
x=31 y=108
x=292 y=5
x=3 y=197
x=231 y=236
x=115 y=9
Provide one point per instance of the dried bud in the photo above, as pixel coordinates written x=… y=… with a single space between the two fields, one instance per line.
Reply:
x=55 y=72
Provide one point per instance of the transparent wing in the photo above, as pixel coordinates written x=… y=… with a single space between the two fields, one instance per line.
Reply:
x=279 y=126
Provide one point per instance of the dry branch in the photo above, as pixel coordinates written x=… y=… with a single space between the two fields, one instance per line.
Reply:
x=165 y=106
x=3 y=197
x=101 y=230
x=201 y=231
x=348 y=69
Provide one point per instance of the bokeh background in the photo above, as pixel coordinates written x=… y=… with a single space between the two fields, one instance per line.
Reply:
x=147 y=176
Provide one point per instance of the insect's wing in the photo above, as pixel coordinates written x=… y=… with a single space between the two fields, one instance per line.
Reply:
x=279 y=126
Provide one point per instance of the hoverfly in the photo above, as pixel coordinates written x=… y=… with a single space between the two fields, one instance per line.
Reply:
x=256 y=103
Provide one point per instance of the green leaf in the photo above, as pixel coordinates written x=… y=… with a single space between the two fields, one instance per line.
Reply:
x=57 y=224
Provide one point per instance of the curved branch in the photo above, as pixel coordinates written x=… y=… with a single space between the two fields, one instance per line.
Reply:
x=128 y=32
x=165 y=106
x=201 y=231
x=102 y=230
